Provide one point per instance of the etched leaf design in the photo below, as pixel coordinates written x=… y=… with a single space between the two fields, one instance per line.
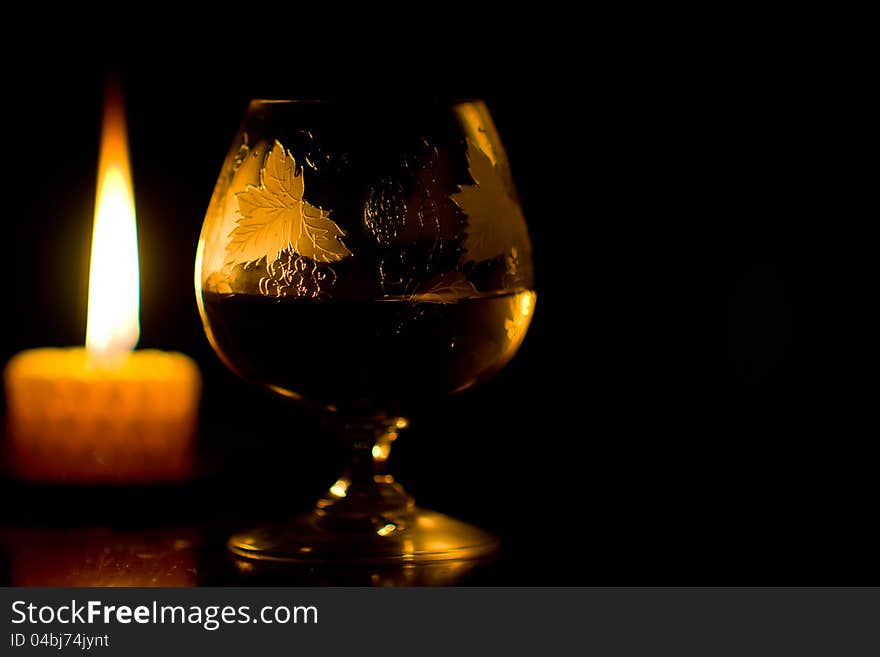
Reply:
x=495 y=220
x=274 y=217
x=446 y=288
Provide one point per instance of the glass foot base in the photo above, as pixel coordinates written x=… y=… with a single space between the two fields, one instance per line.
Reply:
x=419 y=536
x=451 y=572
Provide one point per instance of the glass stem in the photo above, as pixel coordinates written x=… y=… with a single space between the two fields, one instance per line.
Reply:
x=366 y=496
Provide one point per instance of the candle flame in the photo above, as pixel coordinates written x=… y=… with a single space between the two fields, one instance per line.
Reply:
x=112 y=327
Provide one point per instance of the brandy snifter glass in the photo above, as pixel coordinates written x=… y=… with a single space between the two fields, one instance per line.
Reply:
x=366 y=260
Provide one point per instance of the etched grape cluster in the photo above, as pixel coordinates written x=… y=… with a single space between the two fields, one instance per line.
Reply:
x=385 y=210
x=294 y=275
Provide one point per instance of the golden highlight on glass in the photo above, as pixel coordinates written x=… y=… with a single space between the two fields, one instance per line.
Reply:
x=365 y=261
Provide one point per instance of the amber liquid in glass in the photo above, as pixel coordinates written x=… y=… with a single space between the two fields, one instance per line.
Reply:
x=388 y=354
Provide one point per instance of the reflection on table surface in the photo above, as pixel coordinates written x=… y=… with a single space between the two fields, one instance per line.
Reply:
x=100 y=557
x=182 y=556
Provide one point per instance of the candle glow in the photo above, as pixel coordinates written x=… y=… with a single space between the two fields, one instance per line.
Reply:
x=112 y=327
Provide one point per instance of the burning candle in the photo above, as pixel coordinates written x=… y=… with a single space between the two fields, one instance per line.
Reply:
x=105 y=413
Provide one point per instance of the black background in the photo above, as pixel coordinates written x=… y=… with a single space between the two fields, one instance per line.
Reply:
x=685 y=409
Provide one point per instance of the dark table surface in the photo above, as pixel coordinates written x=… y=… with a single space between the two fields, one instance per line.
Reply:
x=76 y=536
x=174 y=534
x=617 y=494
